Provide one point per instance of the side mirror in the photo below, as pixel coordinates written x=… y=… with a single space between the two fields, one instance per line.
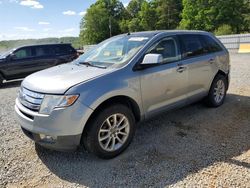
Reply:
x=152 y=59
x=12 y=56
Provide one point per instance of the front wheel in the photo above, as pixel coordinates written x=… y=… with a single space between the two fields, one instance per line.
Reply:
x=217 y=92
x=110 y=131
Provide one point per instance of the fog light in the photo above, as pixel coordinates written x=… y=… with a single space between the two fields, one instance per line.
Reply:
x=47 y=138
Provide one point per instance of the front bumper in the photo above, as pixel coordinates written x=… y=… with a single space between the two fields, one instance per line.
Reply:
x=60 y=143
x=64 y=125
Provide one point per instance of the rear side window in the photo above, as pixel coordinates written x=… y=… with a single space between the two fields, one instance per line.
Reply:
x=210 y=45
x=191 y=46
x=43 y=51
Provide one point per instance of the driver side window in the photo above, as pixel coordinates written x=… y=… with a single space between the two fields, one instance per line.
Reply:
x=167 y=47
x=23 y=53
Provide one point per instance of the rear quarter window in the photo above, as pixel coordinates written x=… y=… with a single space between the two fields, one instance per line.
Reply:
x=64 y=49
x=210 y=45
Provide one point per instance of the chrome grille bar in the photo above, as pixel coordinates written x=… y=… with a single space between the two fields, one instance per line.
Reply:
x=30 y=99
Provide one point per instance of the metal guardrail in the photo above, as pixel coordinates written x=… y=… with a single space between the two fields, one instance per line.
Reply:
x=234 y=41
x=88 y=47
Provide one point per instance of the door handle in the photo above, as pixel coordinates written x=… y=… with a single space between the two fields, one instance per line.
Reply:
x=181 y=69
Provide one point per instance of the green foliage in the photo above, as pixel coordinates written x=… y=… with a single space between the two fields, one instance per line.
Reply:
x=221 y=17
x=148 y=16
x=224 y=30
x=246 y=15
x=211 y=14
x=168 y=13
x=95 y=26
x=134 y=7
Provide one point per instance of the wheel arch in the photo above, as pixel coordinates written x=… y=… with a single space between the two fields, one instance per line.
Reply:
x=220 y=72
x=120 y=99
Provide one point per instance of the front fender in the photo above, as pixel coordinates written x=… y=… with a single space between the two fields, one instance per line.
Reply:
x=122 y=82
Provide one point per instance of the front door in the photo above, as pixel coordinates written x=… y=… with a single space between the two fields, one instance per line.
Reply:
x=20 y=64
x=164 y=86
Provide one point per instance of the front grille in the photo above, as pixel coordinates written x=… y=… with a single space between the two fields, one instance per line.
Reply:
x=30 y=99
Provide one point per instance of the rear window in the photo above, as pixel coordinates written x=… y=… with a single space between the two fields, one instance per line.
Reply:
x=191 y=46
x=210 y=45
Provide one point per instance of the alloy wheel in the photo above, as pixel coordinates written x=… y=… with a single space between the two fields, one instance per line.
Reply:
x=219 y=91
x=114 y=132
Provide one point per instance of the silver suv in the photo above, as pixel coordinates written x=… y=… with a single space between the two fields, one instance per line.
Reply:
x=97 y=99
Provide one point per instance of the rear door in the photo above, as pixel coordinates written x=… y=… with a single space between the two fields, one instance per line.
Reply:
x=44 y=57
x=64 y=53
x=20 y=64
x=198 y=65
x=164 y=86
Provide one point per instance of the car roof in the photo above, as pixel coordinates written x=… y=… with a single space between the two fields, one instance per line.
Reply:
x=51 y=44
x=153 y=33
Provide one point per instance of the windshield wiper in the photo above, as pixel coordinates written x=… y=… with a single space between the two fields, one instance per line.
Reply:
x=92 y=65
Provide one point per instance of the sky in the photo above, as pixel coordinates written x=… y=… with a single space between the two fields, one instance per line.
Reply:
x=25 y=19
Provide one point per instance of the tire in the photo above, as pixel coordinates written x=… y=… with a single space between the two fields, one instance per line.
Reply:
x=101 y=132
x=217 y=92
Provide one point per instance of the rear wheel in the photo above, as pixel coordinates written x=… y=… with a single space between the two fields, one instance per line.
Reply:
x=217 y=92
x=110 y=131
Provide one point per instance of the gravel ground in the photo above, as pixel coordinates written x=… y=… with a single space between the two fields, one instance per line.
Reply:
x=194 y=146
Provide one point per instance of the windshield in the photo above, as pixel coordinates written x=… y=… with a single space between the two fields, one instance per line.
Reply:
x=115 y=51
x=4 y=54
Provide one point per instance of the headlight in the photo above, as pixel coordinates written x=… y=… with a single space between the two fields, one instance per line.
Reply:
x=51 y=102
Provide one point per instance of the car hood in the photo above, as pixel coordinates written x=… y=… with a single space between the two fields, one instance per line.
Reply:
x=57 y=80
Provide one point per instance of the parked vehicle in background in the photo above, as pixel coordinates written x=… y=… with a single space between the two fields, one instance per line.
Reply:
x=97 y=99
x=23 y=61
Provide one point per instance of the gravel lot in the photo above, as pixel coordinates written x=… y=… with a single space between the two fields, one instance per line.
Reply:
x=194 y=146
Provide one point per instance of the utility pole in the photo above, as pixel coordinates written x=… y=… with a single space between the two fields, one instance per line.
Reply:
x=110 y=21
x=168 y=18
x=110 y=26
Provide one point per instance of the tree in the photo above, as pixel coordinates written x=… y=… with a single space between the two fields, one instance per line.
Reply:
x=131 y=21
x=211 y=14
x=224 y=30
x=168 y=13
x=246 y=16
x=148 y=16
x=101 y=20
x=198 y=15
x=134 y=7
x=231 y=16
x=230 y=12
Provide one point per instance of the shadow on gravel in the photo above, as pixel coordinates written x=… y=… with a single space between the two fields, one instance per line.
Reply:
x=11 y=84
x=166 y=149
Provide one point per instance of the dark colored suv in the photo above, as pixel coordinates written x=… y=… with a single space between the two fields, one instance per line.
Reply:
x=20 y=62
